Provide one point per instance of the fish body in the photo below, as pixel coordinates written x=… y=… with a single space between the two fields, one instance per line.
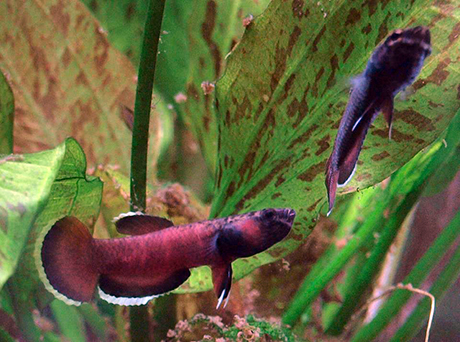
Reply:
x=156 y=258
x=393 y=66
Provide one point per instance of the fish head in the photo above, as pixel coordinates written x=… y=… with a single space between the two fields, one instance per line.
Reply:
x=417 y=38
x=396 y=63
x=254 y=232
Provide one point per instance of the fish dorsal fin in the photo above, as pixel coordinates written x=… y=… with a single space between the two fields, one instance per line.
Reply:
x=136 y=223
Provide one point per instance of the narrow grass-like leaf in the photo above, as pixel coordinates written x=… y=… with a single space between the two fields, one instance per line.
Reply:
x=94 y=320
x=442 y=284
x=139 y=322
x=418 y=274
x=69 y=321
x=6 y=116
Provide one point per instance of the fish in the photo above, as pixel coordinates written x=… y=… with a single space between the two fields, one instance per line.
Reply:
x=393 y=66
x=157 y=256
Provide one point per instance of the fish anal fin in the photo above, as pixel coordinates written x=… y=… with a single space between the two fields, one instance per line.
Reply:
x=126 y=289
x=387 y=110
x=136 y=223
x=222 y=280
x=347 y=165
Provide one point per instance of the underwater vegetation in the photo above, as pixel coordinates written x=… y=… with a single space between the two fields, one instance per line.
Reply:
x=214 y=121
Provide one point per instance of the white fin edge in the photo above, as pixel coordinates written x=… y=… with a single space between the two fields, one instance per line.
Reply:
x=221 y=298
x=125 y=301
x=349 y=178
x=129 y=213
x=41 y=269
x=226 y=299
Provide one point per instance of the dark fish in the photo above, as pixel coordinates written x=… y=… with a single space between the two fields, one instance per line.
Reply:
x=393 y=66
x=157 y=258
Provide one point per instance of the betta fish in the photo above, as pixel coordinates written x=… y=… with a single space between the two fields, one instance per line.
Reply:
x=393 y=66
x=156 y=258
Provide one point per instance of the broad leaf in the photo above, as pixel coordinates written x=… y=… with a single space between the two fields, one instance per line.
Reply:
x=280 y=102
x=34 y=185
x=197 y=36
x=67 y=80
x=6 y=116
x=24 y=189
x=72 y=192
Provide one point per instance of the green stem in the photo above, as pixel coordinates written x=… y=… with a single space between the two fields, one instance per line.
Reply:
x=318 y=279
x=139 y=316
x=143 y=102
x=443 y=283
x=364 y=278
x=418 y=274
x=23 y=313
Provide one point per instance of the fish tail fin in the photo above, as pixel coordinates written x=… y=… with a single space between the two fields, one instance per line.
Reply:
x=222 y=280
x=69 y=271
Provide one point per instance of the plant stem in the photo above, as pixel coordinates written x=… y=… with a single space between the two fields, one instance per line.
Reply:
x=369 y=270
x=139 y=316
x=315 y=282
x=143 y=102
x=418 y=274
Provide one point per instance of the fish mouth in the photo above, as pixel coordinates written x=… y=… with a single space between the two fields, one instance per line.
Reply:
x=289 y=215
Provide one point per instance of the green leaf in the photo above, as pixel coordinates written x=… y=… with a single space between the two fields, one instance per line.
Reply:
x=24 y=189
x=417 y=275
x=6 y=116
x=67 y=80
x=280 y=103
x=72 y=193
x=69 y=321
x=212 y=28
x=95 y=320
x=197 y=35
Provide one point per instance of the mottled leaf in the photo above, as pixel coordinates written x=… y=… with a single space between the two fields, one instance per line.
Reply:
x=67 y=80
x=6 y=116
x=197 y=36
x=281 y=99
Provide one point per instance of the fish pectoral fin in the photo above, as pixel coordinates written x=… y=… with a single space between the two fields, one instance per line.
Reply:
x=222 y=280
x=137 y=223
x=128 y=289
x=387 y=110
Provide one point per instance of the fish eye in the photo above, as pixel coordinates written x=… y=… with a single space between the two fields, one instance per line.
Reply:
x=396 y=34
x=269 y=214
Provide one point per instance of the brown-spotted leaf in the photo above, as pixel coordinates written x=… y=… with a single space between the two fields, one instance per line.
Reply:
x=197 y=35
x=66 y=78
x=282 y=96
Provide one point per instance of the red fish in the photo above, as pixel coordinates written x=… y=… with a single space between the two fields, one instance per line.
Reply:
x=157 y=258
x=393 y=66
